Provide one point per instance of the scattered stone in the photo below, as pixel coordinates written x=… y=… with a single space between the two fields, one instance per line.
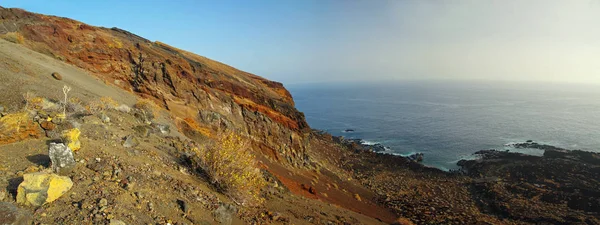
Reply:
x=357 y=197
x=183 y=206
x=312 y=190
x=104 y=118
x=41 y=188
x=130 y=141
x=71 y=137
x=10 y=214
x=123 y=108
x=103 y=202
x=224 y=214
x=163 y=129
x=47 y=125
x=274 y=215
x=143 y=131
x=116 y=222
x=52 y=134
x=62 y=158
x=57 y=76
x=151 y=206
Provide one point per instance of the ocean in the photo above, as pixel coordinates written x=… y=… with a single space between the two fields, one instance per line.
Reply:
x=450 y=120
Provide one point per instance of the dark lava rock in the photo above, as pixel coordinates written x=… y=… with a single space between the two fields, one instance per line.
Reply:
x=417 y=157
x=557 y=188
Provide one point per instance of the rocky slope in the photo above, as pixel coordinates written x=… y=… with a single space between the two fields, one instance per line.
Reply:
x=192 y=87
x=138 y=110
x=129 y=170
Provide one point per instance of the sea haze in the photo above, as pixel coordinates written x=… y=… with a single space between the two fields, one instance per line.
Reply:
x=448 y=121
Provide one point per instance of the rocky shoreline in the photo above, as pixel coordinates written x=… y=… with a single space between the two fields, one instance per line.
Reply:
x=361 y=144
x=559 y=187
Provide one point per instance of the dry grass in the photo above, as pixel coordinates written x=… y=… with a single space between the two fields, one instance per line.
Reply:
x=102 y=104
x=196 y=127
x=231 y=166
x=147 y=106
x=13 y=37
x=32 y=101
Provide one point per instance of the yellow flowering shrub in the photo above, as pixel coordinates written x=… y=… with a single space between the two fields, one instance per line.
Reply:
x=231 y=165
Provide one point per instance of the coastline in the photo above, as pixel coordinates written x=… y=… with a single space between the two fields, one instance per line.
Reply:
x=564 y=181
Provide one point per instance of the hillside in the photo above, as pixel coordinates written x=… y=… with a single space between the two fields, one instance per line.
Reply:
x=101 y=126
x=201 y=100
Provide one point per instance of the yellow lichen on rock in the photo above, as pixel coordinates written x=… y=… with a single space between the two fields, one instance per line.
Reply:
x=71 y=137
x=41 y=188
x=17 y=127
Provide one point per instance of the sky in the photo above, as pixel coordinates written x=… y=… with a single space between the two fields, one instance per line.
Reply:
x=308 y=41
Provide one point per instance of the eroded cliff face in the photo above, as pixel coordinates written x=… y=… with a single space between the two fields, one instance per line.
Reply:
x=199 y=92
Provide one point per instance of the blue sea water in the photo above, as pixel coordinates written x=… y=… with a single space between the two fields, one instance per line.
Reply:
x=448 y=121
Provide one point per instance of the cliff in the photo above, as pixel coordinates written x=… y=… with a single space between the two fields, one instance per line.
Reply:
x=163 y=136
x=192 y=87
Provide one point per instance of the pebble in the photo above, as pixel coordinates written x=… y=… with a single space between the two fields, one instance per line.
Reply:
x=151 y=206
x=103 y=202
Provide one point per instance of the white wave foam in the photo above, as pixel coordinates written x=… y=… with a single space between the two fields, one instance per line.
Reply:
x=365 y=142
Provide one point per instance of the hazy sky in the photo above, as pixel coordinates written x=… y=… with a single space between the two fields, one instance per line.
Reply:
x=326 y=40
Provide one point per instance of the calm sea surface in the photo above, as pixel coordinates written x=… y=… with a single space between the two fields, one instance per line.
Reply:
x=448 y=121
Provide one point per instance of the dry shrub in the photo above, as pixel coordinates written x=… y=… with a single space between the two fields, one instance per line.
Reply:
x=102 y=104
x=32 y=101
x=14 y=37
x=232 y=167
x=146 y=109
x=146 y=106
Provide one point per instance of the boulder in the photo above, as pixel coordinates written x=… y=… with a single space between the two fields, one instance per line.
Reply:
x=224 y=214
x=62 y=158
x=130 y=141
x=123 y=108
x=10 y=214
x=41 y=188
x=71 y=137
x=162 y=128
x=57 y=76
